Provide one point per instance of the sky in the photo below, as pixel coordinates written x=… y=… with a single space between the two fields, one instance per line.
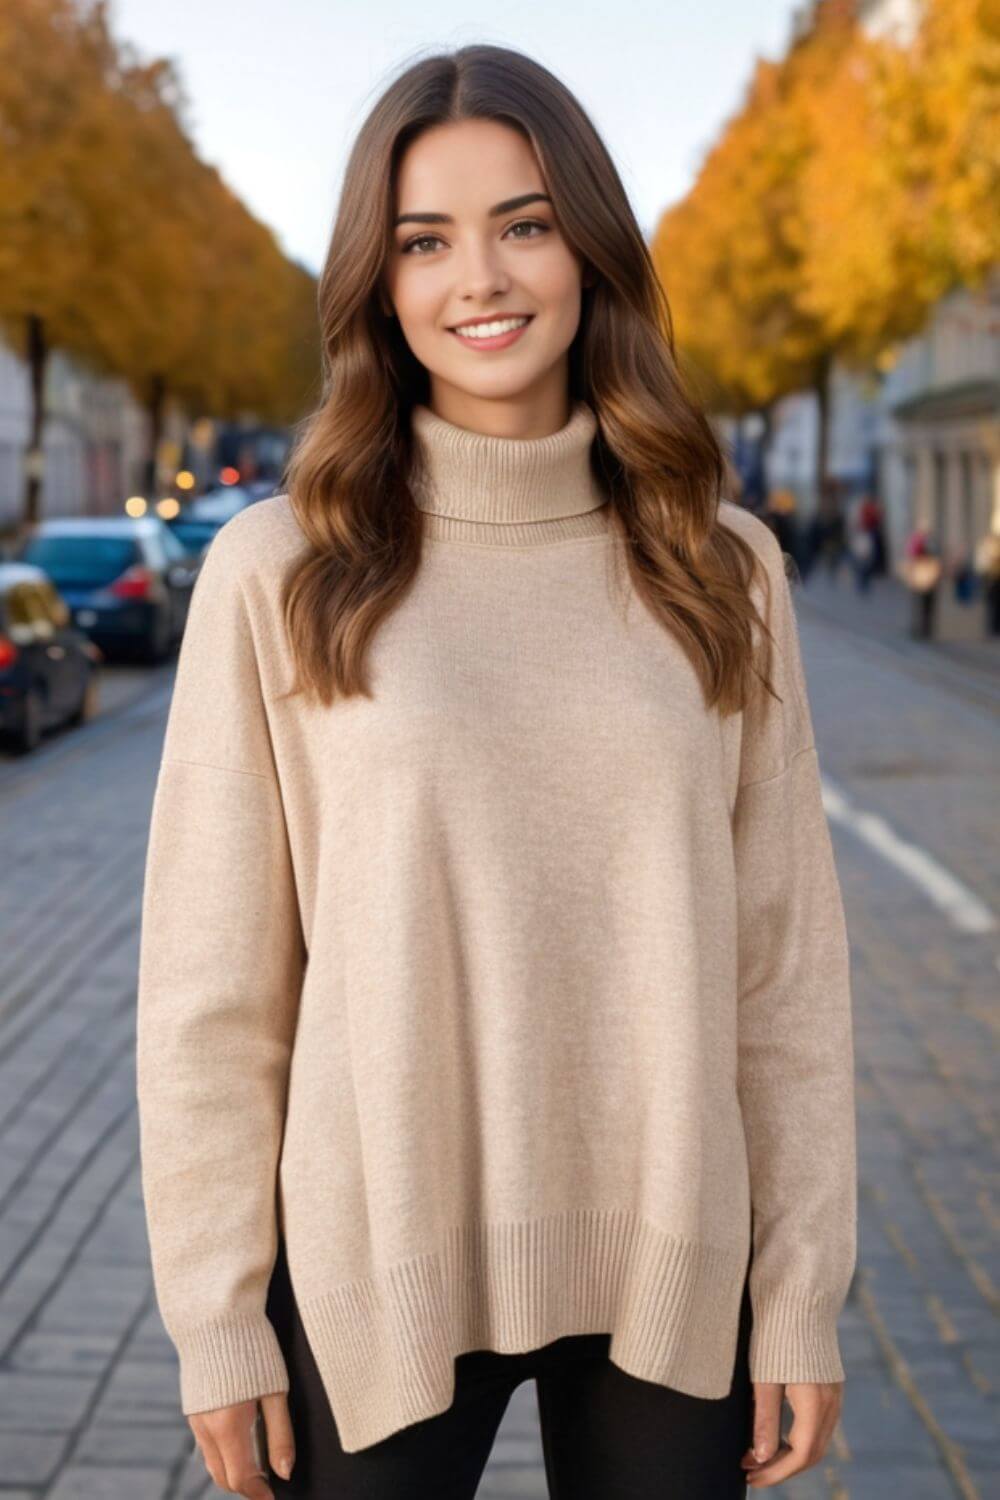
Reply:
x=276 y=92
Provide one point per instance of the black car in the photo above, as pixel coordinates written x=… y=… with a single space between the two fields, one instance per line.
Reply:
x=48 y=668
x=127 y=580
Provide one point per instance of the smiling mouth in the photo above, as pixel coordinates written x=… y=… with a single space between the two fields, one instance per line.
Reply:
x=519 y=320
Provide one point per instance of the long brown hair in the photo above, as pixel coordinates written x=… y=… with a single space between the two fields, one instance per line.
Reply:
x=658 y=457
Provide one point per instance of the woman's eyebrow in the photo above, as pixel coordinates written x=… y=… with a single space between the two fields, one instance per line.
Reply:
x=506 y=207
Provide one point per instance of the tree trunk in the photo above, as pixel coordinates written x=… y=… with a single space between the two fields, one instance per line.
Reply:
x=766 y=439
x=155 y=407
x=825 y=488
x=38 y=352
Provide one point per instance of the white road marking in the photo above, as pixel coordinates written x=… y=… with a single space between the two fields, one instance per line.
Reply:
x=960 y=905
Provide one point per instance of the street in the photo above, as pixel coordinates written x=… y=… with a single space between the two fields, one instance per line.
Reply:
x=88 y=1384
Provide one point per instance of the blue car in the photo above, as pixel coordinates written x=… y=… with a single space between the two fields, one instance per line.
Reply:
x=127 y=580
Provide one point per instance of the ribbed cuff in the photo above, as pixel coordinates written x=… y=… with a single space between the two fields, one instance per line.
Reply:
x=229 y=1360
x=794 y=1335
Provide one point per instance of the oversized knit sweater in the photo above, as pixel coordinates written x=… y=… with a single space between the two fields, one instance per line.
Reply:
x=515 y=996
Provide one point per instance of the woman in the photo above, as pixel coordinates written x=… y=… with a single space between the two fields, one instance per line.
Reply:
x=494 y=968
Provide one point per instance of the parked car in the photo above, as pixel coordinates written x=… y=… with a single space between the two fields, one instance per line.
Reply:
x=196 y=524
x=49 y=670
x=193 y=534
x=127 y=580
x=219 y=504
x=262 y=489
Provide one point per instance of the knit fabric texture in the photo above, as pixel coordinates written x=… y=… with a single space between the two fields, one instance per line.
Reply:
x=516 y=995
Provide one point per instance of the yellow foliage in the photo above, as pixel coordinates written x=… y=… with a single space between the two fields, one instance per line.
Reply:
x=857 y=183
x=731 y=255
x=949 y=88
x=134 y=254
x=901 y=194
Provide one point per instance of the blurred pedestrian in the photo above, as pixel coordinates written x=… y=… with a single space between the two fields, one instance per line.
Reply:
x=988 y=566
x=780 y=514
x=866 y=542
x=834 y=535
x=812 y=544
x=921 y=570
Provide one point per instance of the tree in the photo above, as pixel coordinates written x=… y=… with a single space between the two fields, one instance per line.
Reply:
x=120 y=246
x=732 y=256
x=901 y=195
x=859 y=182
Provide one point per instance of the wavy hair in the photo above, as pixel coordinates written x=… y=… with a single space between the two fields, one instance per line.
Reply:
x=655 y=452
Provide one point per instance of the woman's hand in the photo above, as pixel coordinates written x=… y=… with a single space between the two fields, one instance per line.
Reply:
x=815 y=1408
x=225 y=1440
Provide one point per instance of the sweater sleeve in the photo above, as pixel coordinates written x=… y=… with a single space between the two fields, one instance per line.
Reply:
x=221 y=961
x=795 y=1048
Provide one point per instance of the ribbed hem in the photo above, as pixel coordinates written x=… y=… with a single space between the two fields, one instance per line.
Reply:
x=794 y=1335
x=229 y=1360
x=385 y=1345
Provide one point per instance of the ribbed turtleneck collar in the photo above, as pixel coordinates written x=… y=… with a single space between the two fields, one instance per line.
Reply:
x=476 y=487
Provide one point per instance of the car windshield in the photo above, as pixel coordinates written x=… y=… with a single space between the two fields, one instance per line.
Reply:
x=80 y=561
x=194 y=534
x=218 y=505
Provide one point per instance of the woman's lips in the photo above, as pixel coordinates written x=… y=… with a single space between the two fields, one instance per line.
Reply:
x=500 y=342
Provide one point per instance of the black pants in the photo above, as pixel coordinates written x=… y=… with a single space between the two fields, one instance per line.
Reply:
x=606 y=1435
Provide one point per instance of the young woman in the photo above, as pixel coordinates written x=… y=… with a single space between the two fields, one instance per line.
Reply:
x=494 y=1013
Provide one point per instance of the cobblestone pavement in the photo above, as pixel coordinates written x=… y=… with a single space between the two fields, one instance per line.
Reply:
x=88 y=1388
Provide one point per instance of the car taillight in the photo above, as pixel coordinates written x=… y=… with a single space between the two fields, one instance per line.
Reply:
x=8 y=653
x=134 y=583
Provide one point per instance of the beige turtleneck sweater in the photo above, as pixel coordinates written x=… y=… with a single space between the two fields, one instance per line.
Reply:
x=507 y=993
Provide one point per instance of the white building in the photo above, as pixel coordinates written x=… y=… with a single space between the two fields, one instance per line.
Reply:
x=940 y=439
x=95 y=439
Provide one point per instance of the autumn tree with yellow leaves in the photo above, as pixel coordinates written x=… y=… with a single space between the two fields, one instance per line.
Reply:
x=858 y=182
x=901 y=195
x=121 y=247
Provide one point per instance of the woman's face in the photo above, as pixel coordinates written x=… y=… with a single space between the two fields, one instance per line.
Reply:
x=477 y=239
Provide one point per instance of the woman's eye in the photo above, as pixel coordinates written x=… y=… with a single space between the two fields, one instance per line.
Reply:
x=528 y=224
x=420 y=239
x=424 y=239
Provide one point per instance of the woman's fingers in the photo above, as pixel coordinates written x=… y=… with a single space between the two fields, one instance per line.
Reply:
x=815 y=1407
x=208 y=1448
x=255 y=1487
x=280 y=1437
x=767 y=1399
x=225 y=1437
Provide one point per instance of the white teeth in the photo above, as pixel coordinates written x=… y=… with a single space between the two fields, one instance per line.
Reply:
x=490 y=330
